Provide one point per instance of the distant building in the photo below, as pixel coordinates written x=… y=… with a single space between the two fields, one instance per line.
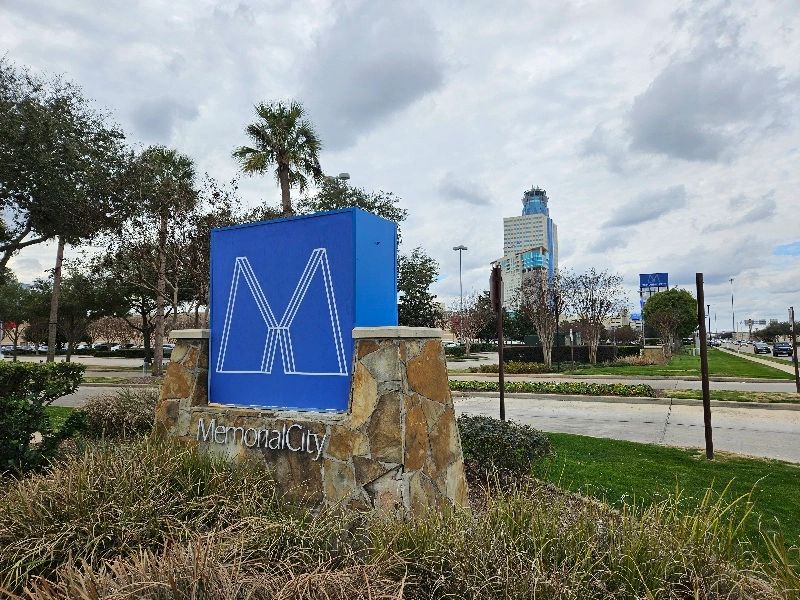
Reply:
x=530 y=242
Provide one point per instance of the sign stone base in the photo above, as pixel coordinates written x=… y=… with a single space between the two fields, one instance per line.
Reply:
x=397 y=448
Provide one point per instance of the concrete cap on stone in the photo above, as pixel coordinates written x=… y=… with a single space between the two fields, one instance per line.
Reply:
x=189 y=334
x=360 y=333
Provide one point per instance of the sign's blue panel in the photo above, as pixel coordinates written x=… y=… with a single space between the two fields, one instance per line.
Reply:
x=653 y=280
x=285 y=296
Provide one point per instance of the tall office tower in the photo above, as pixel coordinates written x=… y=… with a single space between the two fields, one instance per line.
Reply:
x=530 y=242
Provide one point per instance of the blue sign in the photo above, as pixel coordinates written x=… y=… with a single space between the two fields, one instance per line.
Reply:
x=636 y=317
x=285 y=296
x=653 y=280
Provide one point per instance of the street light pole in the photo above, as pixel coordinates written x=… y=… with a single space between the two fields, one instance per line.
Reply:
x=708 y=312
x=733 y=314
x=460 y=249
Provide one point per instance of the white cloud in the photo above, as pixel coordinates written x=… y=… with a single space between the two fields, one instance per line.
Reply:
x=605 y=105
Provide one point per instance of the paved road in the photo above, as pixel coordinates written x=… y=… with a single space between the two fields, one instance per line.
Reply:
x=84 y=392
x=659 y=384
x=753 y=431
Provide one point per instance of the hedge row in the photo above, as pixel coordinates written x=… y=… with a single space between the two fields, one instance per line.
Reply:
x=534 y=354
x=549 y=387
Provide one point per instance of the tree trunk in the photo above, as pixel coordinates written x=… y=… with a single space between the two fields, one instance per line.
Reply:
x=52 y=326
x=148 y=355
x=283 y=178
x=197 y=316
x=594 y=341
x=161 y=286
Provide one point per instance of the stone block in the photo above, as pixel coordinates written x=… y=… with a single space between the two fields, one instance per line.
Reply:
x=200 y=392
x=368 y=469
x=363 y=396
x=345 y=442
x=427 y=373
x=179 y=351
x=189 y=361
x=385 y=439
x=416 y=435
x=177 y=382
x=384 y=363
x=167 y=414
x=339 y=482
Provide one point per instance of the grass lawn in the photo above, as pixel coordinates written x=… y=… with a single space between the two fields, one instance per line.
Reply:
x=57 y=415
x=719 y=364
x=619 y=471
x=735 y=395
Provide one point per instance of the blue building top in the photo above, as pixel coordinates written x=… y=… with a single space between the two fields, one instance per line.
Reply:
x=534 y=202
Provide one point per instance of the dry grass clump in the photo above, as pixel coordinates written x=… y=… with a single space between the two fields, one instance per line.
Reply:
x=125 y=413
x=153 y=519
x=211 y=568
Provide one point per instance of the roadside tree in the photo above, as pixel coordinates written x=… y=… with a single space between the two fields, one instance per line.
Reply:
x=285 y=140
x=59 y=168
x=15 y=310
x=543 y=299
x=417 y=307
x=673 y=314
x=467 y=323
x=594 y=297
x=334 y=194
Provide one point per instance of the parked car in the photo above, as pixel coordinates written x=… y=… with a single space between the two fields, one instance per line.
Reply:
x=760 y=348
x=781 y=349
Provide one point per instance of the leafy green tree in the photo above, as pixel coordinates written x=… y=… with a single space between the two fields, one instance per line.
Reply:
x=59 y=167
x=285 y=140
x=774 y=330
x=673 y=314
x=160 y=183
x=417 y=306
x=15 y=308
x=335 y=194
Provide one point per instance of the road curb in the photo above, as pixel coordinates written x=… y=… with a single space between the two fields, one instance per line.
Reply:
x=631 y=400
x=121 y=385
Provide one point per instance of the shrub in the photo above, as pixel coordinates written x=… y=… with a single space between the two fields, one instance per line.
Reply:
x=26 y=389
x=551 y=387
x=124 y=413
x=159 y=520
x=513 y=368
x=637 y=361
x=566 y=354
x=454 y=351
x=494 y=445
x=123 y=496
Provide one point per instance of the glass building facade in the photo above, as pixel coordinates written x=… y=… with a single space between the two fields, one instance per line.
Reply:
x=530 y=241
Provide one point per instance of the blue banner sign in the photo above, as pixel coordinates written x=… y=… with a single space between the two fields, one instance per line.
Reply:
x=636 y=317
x=285 y=296
x=653 y=280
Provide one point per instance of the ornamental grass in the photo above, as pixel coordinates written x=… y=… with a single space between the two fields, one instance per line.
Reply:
x=154 y=519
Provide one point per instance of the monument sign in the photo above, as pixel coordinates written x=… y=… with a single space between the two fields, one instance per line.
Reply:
x=305 y=369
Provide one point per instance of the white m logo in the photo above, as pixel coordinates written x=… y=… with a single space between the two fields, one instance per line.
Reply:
x=279 y=331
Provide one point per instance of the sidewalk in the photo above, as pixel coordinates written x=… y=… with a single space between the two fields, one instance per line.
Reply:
x=787 y=368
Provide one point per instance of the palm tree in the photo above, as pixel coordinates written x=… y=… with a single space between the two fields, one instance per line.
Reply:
x=285 y=139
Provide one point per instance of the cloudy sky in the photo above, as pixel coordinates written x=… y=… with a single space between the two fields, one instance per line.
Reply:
x=667 y=135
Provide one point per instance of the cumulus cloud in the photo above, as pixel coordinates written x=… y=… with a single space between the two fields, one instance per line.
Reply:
x=463 y=190
x=706 y=102
x=375 y=60
x=157 y=118
x=745 y=211
x=648 y=206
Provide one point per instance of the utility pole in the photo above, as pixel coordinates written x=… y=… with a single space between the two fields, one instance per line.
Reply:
x=460 y=249
x=496 y=298
x=708 y=312
x=701 y=320
x=794 y=350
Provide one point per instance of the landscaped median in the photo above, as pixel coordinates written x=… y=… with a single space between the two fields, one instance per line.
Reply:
x=549 y=387
x=578 y=388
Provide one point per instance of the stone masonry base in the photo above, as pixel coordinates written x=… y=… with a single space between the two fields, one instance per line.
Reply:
x=397 y=448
